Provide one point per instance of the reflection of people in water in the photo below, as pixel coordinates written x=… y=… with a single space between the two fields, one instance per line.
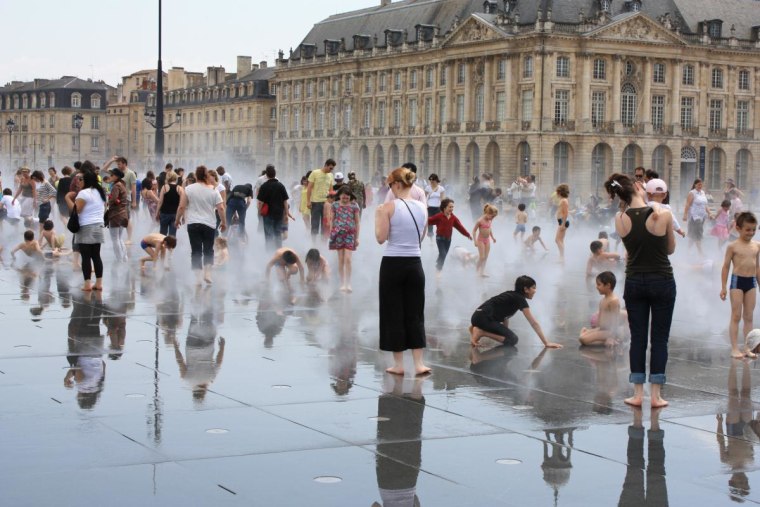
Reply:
x=87 y=370
x=605 y=362
x=270 y=318
x=557 y=458
x=737 y=451
x=399 y=428
x=198 y=367
x=169 y=308
x=636 y=491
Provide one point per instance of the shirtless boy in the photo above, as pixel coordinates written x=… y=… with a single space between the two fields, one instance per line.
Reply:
x=610 y=317
x=531 y=240
x=742 y=258
x=287 y=264
x=599 y=259
x=521 y=218
x=156 y=245
x=29 y=246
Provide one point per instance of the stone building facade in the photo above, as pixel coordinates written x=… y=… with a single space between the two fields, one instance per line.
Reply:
x=568 y=91
x=224 y=119
x=43 y=111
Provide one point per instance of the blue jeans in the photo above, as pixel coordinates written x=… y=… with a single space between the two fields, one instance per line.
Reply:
x=443 y=250
x=645 y=294
x=272 y=232
x=166 y=224
x=237 y=205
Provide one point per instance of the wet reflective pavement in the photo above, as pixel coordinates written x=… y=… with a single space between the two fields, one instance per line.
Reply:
x=160 y=393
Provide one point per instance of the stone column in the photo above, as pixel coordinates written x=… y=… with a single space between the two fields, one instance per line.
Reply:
x=675 y=97
x=729 y=122
x=645 y=114
x=450 y=77
x=488 y=88
x=510 y=92
x=617 y=62
x=584 y=93
x=468 y=90
x=538 y=75
x=702 y=105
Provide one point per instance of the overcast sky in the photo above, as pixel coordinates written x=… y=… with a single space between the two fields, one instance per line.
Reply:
x=113 y=38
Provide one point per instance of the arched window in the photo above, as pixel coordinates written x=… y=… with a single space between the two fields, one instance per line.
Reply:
x=743 y=163
x=52 y=99
x=15 y=102
x=601 y=156
x=76 y=100
x=628 y=101
x=43 y=100
x=479 y=103
x=714 y=168
x=561 y=162
x=688 y=154
x=34 y=101
x=629 y=158
x=24 y=102
x=95 y=101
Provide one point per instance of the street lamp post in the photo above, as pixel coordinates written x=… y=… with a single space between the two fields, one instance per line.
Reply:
x=156 y=120
x=159 y=115
x=178 y=117
x=10 y=125
x=78 y=120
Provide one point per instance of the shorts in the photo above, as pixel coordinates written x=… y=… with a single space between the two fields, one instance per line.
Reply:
x=567 y=223
x=144 y=245
x=486 y=322
x=743 y=283
x=520 y=228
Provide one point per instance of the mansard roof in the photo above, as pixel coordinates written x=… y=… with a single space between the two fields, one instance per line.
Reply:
x=404 y=16
x=66 y=82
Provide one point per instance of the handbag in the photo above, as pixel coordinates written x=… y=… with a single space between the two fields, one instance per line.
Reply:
x=105 y=216
x=73 y=223
x=264 y=209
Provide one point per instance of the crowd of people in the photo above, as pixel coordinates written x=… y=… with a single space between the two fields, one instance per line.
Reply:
x=213 y=208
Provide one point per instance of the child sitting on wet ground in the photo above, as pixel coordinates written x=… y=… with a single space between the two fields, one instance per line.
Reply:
x=531 y=240
x=491 y=319
x=317 y=267
x=742 y=258
x=599 y=259
x=29 y=246
x=156 y=245
x=609 y=329
x=221 y=252
x=51 y=243
x=287 y=264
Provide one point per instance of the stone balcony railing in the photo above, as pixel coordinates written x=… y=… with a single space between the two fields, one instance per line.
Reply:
x=453 y=126
x=604 y=127
x=718 y=133
x=472 y=126
x=690 y=131
x=306 y=134
x=378 y=131
x=411 y=130
x=525 y=125
x=745 y=134
x=393 y=131
x=364 y=131
x=662 y=130
x=493 y=126
x=330 y=132
x=564 y=126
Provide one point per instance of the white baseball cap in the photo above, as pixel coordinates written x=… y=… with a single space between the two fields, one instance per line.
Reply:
x=338 y=176
x=656 y=186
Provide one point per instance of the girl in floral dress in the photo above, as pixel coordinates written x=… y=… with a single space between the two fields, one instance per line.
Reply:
x=344 y=233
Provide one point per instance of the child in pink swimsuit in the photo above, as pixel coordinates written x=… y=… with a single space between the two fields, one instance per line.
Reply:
x=483 y=234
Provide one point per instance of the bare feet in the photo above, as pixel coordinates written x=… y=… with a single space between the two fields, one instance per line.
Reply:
x=750 y=354
x=207 y=279
x=349 y=289
x=97 y=287
x=421 y=370
x=474 y=340
x=659 y=402
x=396 y=370
x=343 y=288
x=87 y=287
x=737 y=354
x=634 y=401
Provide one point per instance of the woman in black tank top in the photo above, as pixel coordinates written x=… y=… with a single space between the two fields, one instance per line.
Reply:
x=650 y=288
x=168 y=204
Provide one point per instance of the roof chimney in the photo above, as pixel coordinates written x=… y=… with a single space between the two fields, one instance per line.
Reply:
x=383 y=3
x=243 y=66
x=263 y=64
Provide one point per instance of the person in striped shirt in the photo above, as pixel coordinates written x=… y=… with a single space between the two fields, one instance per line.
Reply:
x=46 y=193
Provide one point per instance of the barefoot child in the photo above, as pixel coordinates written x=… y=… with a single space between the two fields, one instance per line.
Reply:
x=563 y=213
x=29 y=246
x=344 y=226
x=742 y=258
x=535 y=236
x=317 y=267
x=483 y=234
x=491 y=319
x=610 y=317
x=521 y=218
x=599 y=259
x=722 y=220
x=221 y=252
x=51 y=243
x=156 y=245
x=604 y=239
x=445 y=223
x=287 y=264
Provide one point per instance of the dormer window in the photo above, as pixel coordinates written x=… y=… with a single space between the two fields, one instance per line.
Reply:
x=95 y=101
x=509 y=6
x=394 y=37
x=604 y=6
x=76 y=100
x=715 y=29
x=332 y=47
x=634 y=5
x=490 y=7
x=425 y=33
x=361 y=42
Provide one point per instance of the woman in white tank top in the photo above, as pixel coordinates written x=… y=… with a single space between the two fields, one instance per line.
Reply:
x=401 y=223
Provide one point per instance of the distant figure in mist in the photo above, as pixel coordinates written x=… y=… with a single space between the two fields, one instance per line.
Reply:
x=401 y=224
x=563 y=218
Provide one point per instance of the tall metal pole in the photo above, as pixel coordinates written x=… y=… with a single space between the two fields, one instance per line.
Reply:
x=180 y=139
x=159 y=100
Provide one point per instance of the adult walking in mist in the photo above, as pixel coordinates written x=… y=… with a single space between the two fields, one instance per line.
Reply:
x=695 y=213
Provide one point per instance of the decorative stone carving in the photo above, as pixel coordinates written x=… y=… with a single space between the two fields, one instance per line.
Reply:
x=637 y=29
x=473 y=31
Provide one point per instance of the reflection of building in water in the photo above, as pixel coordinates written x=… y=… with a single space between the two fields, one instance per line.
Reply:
x=557 y=458
x=399 y=447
